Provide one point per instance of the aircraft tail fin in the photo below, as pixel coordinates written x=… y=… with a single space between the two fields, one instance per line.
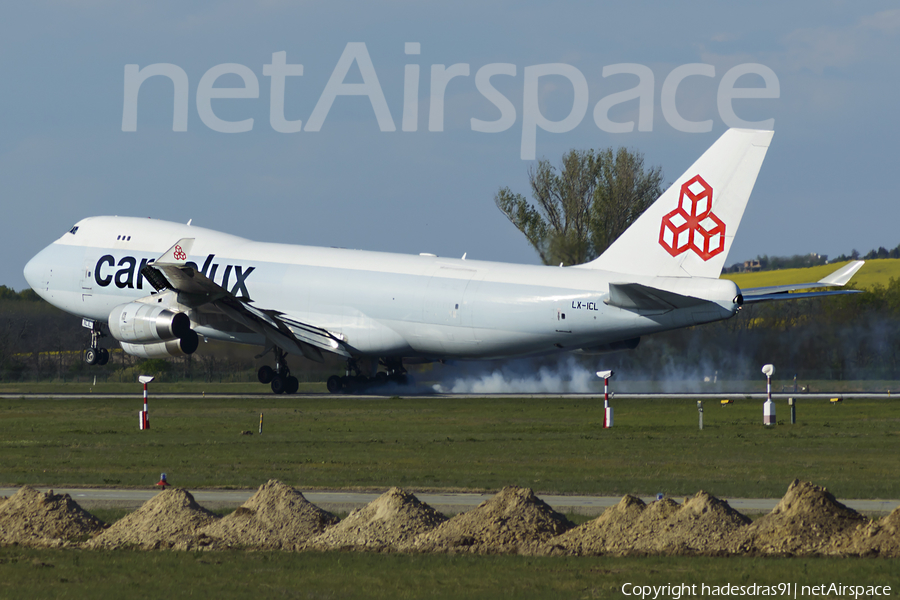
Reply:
x=688 y=231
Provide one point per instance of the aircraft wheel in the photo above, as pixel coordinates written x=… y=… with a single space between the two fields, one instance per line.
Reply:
x=279 y=385
x=91 y=356
x=400 y=378
x=104 y=356
x=334 y=384
x=291 y=385
x=265 y=374
x=381 y=378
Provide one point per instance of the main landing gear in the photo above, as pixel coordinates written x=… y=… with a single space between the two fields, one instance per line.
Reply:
x=95 y=355
x=354 y=381
x=280 y=377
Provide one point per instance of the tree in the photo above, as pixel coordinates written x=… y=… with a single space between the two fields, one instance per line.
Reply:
x=624 y=191
x=578 y=211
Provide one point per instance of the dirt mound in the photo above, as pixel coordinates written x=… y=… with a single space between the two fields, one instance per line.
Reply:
x=168 y=520
x=276 y=517
x=32 y=518
x=881 y=537
x=808 y=520
x=514 y=520
x=702 y=525
x=610 y=533
x=390 y=522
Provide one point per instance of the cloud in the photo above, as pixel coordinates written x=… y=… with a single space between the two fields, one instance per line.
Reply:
x=724 y=37
x=821 y=48
x=887 y=21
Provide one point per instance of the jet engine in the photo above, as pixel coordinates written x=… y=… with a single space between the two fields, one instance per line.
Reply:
x=152 y=331
x=176 y=347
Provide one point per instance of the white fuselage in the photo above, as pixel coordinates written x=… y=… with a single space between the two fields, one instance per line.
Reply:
x=379 y=304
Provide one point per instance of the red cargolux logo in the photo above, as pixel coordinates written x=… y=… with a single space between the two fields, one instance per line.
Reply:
x=179 y=253
x=693 y=224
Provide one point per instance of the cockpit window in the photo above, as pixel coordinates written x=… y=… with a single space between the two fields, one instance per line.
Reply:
x=74 y=230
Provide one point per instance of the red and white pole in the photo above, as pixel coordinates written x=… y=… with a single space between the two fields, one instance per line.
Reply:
x=146 y=423
x=144 y=415
x=607 y=413
x=607 y=409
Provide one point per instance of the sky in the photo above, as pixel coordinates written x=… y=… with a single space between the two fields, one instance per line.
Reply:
x=408 y=117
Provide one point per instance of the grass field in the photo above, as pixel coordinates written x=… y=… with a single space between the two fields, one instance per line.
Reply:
x=550 y=445
x=874 y=272
x=546 y=444
x=37 y=574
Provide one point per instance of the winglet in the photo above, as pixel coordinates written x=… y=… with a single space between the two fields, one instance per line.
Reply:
x=177 y=254
x=843 y=275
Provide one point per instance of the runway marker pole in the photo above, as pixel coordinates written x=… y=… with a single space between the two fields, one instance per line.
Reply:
x=607 y=409
x=144 y=415
x=769 y=406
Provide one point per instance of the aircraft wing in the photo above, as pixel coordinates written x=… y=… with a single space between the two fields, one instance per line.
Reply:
x=838 y=278
x=172 y=272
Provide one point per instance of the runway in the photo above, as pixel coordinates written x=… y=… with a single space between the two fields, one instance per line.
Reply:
x=422 y=396
x=448 y=503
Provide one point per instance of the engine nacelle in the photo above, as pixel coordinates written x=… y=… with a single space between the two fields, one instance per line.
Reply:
x=176 y=347
x=140 y=323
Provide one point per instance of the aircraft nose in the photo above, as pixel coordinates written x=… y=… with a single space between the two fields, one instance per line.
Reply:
x=34 y=271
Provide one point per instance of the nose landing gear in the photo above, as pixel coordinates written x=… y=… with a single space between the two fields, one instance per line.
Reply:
x=280 y=377
x=95 y=355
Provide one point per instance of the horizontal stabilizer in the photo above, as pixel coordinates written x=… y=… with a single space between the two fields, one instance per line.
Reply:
x=843 y=275
x=796 y=296
x=634 y=296
x=782 y=292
